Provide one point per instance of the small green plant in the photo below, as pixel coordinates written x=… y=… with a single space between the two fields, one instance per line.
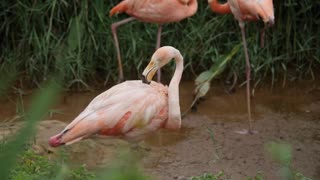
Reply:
x=82 y=173
x=208 y=176
x=300 y=176
x=214 y=141
x=32 y=166
x=258 y=176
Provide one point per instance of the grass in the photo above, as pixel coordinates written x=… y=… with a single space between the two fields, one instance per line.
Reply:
x=74 y=37
x=34 y=166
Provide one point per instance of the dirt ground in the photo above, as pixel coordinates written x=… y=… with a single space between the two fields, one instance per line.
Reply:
x=287 y=115
x=238 y=156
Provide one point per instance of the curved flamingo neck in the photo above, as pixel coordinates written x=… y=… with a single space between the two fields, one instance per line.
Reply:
x=174 y=114
x=219 y=8
x=178 y=71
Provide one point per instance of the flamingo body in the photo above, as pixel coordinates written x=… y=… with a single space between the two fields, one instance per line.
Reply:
x=246 y=10
x=251 y=10
x=156 y=11
x=131 y=109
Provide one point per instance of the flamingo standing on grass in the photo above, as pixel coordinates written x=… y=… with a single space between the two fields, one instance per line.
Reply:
x=247 y=10
x=131 y=109
x=151 y=11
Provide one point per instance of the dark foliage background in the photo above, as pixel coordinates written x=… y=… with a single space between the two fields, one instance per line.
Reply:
x=74 y=37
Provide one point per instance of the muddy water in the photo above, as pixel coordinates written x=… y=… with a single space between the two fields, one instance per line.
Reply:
x=290 y=115
x=218 y=103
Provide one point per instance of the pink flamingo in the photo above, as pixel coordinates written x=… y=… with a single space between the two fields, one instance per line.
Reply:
x=151 y=11
x=131 y=109
x=247 y=10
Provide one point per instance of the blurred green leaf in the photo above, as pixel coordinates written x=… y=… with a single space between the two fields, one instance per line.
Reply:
x=202 y=90
x=280 y=152
x=202 y=82
x=10 y=151
x=75 y=34
x=203 y=77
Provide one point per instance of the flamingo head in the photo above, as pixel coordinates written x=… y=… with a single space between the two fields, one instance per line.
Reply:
x=66 y=138
x=74 y=132
x=55 y=141
x=160 y=58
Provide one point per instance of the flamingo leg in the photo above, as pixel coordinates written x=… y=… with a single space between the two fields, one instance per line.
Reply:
x=262 y=35
x=157 y=47
x=263 y=32
x=114 y=27
x=248 y=75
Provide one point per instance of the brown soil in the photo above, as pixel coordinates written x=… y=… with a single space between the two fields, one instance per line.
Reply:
x=290 y=115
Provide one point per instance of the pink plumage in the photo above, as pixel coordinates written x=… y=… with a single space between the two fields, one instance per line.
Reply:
x=131 y=109
x=157 y=11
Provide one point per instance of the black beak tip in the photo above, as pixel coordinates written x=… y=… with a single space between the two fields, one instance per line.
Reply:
x=144 y=80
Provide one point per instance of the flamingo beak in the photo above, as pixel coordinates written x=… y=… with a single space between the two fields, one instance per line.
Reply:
x=184 y=2
x=144 y=80
x=149 y=72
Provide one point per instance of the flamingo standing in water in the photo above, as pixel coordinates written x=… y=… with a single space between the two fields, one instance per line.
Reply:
x=131 y=109
x=151 y=11
x=247 y=10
